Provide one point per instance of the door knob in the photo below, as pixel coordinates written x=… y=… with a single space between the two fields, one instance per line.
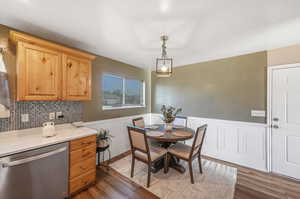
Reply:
x=275 y=119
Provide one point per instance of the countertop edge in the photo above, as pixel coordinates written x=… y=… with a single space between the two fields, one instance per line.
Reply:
x=58 y=141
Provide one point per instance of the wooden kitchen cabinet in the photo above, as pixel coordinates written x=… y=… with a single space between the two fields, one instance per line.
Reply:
x=51 y=72
x=82 y=154
x=39 y=73
x=76 y=78
x=82 y=143
x=81 y=167
x=82 y=181
x=82 y=161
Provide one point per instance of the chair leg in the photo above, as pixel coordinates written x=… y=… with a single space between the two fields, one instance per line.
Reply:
x=98 y=162
x=200 y=165
x=166 y=164
x=132 y=166
x=103 y=156
x=191 y=172
x=109 y=156
x=149 y=175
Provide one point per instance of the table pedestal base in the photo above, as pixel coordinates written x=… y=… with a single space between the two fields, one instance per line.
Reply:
x=173 y=163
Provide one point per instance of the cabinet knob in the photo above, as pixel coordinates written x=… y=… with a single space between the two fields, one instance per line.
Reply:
x=70 y=65
x=44 y=60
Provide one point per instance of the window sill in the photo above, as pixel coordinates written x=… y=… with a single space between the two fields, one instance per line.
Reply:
x=122 y=107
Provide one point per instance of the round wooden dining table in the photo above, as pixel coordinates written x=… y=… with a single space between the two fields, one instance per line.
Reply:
x=165 y=138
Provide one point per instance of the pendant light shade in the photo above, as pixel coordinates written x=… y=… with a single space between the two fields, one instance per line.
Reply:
x=164 y=65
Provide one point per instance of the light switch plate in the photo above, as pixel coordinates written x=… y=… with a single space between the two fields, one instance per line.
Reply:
x=258 y=113
x=24 y=118
x=51 y=116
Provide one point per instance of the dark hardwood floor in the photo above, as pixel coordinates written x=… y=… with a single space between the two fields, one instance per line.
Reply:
x=111 y=185
x=251 y=184
x=246 y=193
x=261 y=185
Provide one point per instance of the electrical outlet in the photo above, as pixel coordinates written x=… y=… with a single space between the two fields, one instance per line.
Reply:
x=59 y=115
x=24 y=117
x=51 y=116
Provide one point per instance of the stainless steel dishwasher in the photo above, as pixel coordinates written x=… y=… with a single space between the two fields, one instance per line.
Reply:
x=37 y=174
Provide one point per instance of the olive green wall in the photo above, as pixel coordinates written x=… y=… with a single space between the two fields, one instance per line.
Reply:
x=92 y=110
x=222 y=89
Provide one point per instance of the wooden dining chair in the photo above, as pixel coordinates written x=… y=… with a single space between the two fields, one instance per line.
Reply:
x=139 y=122
x=142 y=151
x=189 y=153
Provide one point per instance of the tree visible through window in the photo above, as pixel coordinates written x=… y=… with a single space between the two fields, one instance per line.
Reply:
x=122 y=92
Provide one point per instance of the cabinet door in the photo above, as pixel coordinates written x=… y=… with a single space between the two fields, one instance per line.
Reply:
x=76 y=78
x=39 y=73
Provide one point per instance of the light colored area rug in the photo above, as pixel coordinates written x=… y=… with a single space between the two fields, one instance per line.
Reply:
x=216 y=182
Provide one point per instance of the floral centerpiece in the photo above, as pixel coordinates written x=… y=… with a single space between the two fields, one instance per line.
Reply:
x=169 y=113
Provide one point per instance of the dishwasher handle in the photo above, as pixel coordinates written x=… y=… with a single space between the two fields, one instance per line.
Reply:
x=33 y=158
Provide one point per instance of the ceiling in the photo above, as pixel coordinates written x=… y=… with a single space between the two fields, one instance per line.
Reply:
x=130 y=30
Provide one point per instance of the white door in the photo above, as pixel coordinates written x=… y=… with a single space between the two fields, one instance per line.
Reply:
x=285 y=99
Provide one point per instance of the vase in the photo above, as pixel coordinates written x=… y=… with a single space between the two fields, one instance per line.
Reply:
x=168 y=126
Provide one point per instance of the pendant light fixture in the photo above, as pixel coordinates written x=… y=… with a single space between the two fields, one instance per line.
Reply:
x=164 y=65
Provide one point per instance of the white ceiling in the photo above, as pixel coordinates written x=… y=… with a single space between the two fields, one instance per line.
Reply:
x=129 y=30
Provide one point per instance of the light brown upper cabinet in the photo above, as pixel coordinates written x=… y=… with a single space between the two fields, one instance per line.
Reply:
x=48 y=71
x=76 y=78
x=39 y=76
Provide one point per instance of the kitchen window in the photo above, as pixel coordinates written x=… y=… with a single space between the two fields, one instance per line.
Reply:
x=120 y=92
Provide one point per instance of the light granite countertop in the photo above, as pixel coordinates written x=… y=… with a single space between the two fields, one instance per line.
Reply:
x=12 y=142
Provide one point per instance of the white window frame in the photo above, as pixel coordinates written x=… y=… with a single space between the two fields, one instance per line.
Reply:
x=123 y=93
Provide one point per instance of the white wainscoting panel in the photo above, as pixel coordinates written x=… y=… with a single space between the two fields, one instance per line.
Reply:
x=242 y=143
x=237 y=142
x=118 y=129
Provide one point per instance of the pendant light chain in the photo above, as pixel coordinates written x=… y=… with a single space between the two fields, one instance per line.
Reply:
x=164 y=47
x=164 y=64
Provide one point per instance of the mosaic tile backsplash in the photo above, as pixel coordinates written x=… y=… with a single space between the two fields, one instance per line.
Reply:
x=39 y=113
